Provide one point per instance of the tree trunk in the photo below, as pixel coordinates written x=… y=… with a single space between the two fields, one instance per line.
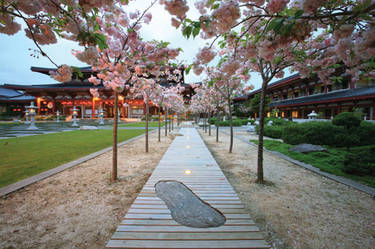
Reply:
x=230 y=125
x=166 y=121
x=209 y=125
x=205 y=123
x=146 y=127
x=159 y=124
x=114 y=156
x=217 y=125
x=261 y=129
x=169 y=123
x=172 y=122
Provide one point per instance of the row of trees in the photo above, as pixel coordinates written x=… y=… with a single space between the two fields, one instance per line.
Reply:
x=266 y=37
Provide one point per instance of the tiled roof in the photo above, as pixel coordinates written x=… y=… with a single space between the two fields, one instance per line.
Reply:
x=13 y=95
x=327 y=97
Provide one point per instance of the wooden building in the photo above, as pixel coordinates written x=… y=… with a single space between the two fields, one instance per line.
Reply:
x=64 y=96
x=294 y=97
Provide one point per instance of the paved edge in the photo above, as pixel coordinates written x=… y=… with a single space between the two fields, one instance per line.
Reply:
x=36 y=178
x=339 y=179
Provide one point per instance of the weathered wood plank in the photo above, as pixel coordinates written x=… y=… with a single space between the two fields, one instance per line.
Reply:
x=231 y=244
x=174 y=223
x=182 y=229
x=187 y=236
x=168 y=216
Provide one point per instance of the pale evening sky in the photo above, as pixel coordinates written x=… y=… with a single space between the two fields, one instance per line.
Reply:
x=15 y=60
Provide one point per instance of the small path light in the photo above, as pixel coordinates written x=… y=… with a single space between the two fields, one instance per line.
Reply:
x=31 y=108
x=101 y=116
x=57 y=116
x=187 y=146
x=75 y=113
x=27 y=117
x=188 y=172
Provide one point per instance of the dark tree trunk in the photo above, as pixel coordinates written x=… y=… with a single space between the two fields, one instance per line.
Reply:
x=166 y=121
x=217 y=125
x=146 y=127
x=261 y=129
x=114 y=156
x=169 y=122
x=172 y=122
x=205 y=123
x=208 y=123
x=159 y=126
x=230 y=125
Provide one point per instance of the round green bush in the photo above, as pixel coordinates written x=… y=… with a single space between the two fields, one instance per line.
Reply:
x=347 y=119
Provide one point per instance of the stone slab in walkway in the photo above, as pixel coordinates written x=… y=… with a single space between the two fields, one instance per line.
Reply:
x=149 y=224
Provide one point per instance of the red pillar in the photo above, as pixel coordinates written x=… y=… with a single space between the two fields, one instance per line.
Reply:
x=373 y=110
x=93 y=108
x=338 y=108
x=144 y=108
x=38 y=104
x=352 y=85
x=54 y=107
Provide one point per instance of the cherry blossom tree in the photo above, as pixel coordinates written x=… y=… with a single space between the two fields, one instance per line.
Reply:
x=127 y=62
x=157 y=98
x=269 y=36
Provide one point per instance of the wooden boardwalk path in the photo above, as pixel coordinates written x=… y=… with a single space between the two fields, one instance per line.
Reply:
x=148 y=223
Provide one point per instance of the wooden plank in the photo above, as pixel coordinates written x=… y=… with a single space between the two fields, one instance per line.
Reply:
x=168 y=216
x=167 y=211
x=174 y=223
x=151 y=198
x=183 y=229
x=187 y=236
x=172 y=244
x=163 y=206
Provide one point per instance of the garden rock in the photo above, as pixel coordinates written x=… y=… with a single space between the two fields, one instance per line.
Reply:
x=187 y=208
x=306 y=148
x=88 y=127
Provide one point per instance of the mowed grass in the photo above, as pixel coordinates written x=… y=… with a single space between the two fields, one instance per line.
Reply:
x=23 y=157
x=143 y=124
x=331 y=161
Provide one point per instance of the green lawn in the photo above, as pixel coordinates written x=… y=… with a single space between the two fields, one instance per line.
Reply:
x=142 y=124
x=331 y=161
x=23 y=157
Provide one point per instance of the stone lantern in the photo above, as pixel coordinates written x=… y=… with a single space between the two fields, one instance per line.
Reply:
x=101 y=116
x=32 y=112
x=312 y=115
x=57 y=116
x=75 y=113
x=27 y=117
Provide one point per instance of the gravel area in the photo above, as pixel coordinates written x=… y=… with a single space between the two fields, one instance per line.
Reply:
x=296 y=208
x=79 y=207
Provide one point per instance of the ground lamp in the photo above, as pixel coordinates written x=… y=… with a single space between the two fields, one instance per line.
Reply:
x=57 y=116
x=101 y=116
x=27 y=117
x=312 y=115
x=32 y=112
x=75 y=113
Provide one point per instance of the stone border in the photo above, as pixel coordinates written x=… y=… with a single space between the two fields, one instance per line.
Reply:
x=36 y=178
x=339 y=179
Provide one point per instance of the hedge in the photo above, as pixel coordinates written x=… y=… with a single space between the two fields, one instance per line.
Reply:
x=360 y=162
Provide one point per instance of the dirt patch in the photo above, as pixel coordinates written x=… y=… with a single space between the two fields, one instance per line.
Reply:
x=296 y=208
x=79 y=207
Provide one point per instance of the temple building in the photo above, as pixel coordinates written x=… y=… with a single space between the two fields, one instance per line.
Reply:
x=63 y=97
x=295 y=97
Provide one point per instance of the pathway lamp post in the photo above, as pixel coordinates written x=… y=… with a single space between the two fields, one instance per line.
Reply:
x=75 y=113
x=27 y=117
x=57 y=116
x=32 y=112
x=101 y=116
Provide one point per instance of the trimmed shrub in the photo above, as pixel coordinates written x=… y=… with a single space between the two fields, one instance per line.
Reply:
x=360 y=162
x=366 y=133
x=319 y=133
x=348 y=120
x=277 y=121
x=273 y=131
